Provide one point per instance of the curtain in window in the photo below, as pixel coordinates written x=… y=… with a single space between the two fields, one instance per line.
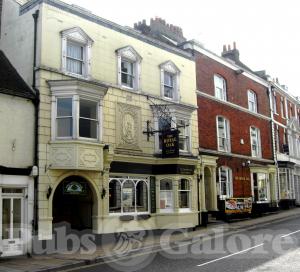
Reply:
x=64 y=119
x=74 y=58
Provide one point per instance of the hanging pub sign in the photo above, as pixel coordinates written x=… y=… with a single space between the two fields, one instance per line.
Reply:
x=74 y=188
x=170 y=144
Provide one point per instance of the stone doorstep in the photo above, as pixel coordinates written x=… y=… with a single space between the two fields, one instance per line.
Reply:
x=53 y=263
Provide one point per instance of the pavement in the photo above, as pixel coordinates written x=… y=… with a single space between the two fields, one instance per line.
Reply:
x=110 y=251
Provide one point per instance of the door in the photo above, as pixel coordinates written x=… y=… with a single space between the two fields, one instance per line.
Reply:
x=12 y=221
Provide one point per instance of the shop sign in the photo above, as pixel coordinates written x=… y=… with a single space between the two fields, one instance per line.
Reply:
x=238 y=205
x=75 y=188
x=170 y=144
x=242 y=178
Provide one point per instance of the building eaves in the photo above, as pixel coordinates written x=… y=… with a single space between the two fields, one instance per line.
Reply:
x=106 y=23
x=11 y=82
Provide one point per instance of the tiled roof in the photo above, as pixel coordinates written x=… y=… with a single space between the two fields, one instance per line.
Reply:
x=11 y=82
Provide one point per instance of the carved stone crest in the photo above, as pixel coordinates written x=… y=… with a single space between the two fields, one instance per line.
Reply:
x=128 y=127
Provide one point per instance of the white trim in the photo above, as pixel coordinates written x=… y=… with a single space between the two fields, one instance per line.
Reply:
x=258 y=144
x=233 y=105
x=227 y=132
x=193 y=45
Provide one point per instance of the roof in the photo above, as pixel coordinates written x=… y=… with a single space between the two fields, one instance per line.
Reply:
x=11 y=82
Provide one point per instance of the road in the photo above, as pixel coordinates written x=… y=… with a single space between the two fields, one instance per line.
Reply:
x=272 y=247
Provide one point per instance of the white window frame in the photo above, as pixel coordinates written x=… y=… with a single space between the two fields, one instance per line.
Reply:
x=227 y=134
x=135 y=181
x=78 y=37
x=282 y=108
x=170 y=68
x=252 y=101
x=223 y=90
x=258 y=140
x=189 y=196
x=228 y=182
x=267 y=187
x=129 y=54
x=76 y=90
x=167 y=210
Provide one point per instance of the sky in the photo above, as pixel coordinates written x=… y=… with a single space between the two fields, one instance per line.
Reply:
x=267 y=32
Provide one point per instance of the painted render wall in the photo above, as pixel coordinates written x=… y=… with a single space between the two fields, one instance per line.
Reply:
x=17 y=140
x=104 y=59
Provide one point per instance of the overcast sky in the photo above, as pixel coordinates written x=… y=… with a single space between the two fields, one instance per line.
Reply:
x=267 y=32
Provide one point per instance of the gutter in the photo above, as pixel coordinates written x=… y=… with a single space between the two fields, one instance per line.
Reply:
x=37 y=108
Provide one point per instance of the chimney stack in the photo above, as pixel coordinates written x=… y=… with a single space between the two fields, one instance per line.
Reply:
x=232 y=54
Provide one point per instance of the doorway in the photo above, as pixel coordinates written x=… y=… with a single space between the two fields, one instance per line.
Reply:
x=73 y=203
x=12 y=222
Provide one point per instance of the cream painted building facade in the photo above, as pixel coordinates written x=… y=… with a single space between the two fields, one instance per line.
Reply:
x=102 y=87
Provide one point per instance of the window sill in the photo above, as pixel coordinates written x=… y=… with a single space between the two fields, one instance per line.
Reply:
x=74 y=141
x=76 y=75
x=185 y=210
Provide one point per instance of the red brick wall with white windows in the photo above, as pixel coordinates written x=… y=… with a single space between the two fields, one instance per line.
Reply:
x=241 y=177
x=237 y=85
x=240 y=123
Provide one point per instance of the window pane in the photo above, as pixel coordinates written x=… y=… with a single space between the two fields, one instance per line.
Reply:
x=184 y=184
x=88 y=128
x=114 y=197
x=127 y=80
x=141 y=196
x=184 y=199
x=88 y=109
x=74 y=66
x=166 y=185
x=127 y=67
x=64 y=107
x=168 y=85
x=166 y=200
x=128 y=197
x=6 y=212
x=17 y=218
x=74 y=51
x=64 y=127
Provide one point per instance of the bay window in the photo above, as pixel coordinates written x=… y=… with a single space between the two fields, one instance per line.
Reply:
x=128 y=195
x=184 y=194
x=166 y=195
x=64 y=117
x=76 y=110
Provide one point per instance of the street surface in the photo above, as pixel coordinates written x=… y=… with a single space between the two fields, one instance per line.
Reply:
x=271 y=247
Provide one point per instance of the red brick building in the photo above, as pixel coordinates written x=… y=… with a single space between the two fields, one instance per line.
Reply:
x=235 y=126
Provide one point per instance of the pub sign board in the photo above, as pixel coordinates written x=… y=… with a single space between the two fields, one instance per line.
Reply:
x=170 y=144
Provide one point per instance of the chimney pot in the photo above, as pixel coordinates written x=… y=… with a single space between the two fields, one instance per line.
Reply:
x=229 y=47
x=144 y=21
x=224 y=48
x=234 y=45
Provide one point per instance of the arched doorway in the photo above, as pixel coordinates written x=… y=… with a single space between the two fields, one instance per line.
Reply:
x=208 y=188
x=73 y=203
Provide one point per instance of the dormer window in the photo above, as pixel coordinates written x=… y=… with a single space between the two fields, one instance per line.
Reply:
x=220 y=87
x=128 y=68
x=170 y=81
x=76 y=52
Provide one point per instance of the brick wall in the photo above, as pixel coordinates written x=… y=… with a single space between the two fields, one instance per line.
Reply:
x=241 y=177
x=237 y=85
x=240 y=123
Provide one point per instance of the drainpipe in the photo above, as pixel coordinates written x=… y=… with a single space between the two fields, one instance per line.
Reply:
x=273 y=140
x=37 y=107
